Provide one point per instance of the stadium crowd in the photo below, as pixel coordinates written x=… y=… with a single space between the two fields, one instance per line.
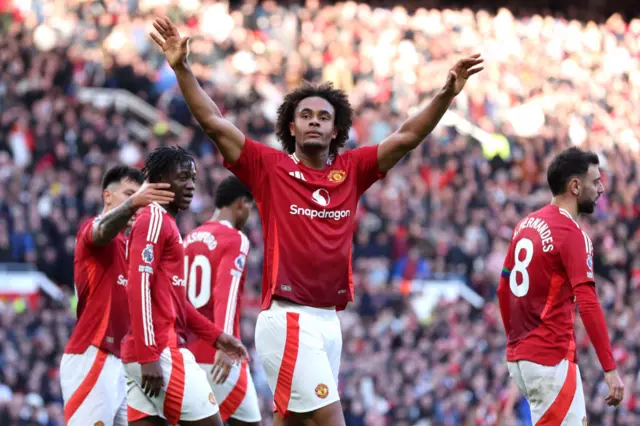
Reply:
x=549 y=83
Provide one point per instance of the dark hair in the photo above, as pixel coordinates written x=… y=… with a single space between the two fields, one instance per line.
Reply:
x=343 y=117
x=162 y=160
x=120 y=172
x=229 y=190
x=570 y=163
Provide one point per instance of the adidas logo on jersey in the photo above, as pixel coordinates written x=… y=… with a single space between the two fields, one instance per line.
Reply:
x=297 y=175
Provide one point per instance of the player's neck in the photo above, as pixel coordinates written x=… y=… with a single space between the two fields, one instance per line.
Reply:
x=314 y=160
x=568 y=205
x=221 y=215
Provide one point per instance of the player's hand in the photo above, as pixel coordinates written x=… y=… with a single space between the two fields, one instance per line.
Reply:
x=152 y=193
x=232 y=347
x=616 y=388
x=221 y=367
x=461 y=71
x=174 y=47
x=152 y=380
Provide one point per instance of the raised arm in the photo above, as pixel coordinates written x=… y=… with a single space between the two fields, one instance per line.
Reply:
x=416 y=128
x=224 y=134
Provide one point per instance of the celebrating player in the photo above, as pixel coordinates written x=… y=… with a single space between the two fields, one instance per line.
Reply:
x=216 y=255
x=307 y=198
x=164 y=380
x=548 y=268
x=91 y=373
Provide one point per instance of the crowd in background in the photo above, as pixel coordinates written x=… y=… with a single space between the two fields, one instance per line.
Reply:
x=548 y=84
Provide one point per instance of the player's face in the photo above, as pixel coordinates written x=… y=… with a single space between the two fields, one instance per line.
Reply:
x=183 y=184
x=117 y=193
x=591 y=189
x=313 y=125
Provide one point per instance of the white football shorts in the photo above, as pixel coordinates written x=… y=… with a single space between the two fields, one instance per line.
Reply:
x=236 y=396
x=554 y=394
x=93 y=388
x=300 y=348
x=185 y=394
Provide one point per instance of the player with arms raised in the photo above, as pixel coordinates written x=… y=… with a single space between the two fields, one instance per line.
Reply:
x=91 y=373
x=307 y=197
x=216 y=255
x=548 y=268
x=164 y=380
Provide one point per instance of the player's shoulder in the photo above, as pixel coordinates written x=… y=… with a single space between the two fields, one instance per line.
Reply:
x=264 y=149
x=231 y=236
x=88 y=224
x=154 y=220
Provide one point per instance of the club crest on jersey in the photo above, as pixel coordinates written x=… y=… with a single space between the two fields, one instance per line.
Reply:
x=337 y=176
x=240 y=261
x=147 y=253
x=322 y=391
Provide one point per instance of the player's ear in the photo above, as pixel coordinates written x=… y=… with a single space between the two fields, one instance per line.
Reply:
x=107 y=197
x=292 y=128
x=574 y=186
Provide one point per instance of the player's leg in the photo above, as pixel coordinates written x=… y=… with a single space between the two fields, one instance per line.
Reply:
x=291 y=347
x=550 y=390
x=88 y=382
x=149 y=421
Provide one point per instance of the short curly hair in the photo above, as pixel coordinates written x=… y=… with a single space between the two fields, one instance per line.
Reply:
x=343 y=117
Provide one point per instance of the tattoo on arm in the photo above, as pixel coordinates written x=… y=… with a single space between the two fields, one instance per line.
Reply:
x=112 y=223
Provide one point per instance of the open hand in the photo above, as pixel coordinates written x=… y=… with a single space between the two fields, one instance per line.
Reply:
x=221 y=367
x=232 y=347
x=152 y=193
x=174 y=47
x=152 y=380
x=461 y=71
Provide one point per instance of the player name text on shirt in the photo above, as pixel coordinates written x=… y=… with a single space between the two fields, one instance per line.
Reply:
x=542 y=228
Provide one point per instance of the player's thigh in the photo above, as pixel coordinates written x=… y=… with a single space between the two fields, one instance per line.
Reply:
x=92 y=386
x=236 y=396
x=329 y=415
x=290 y=346
x=551 y=390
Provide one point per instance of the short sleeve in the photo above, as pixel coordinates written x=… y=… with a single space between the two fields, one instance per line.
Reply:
x=366 y=161
x=253 y=163
x=577 y=257
x=84 y=235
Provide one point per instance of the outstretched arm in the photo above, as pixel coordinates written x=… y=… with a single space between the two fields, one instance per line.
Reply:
x=416 y=128
x=224 y=134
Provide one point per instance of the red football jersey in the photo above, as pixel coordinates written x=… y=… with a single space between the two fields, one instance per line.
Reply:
x=308 y=220
x=548 y=256
x=100 y=278
x=216 y=255
x=160 y=314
